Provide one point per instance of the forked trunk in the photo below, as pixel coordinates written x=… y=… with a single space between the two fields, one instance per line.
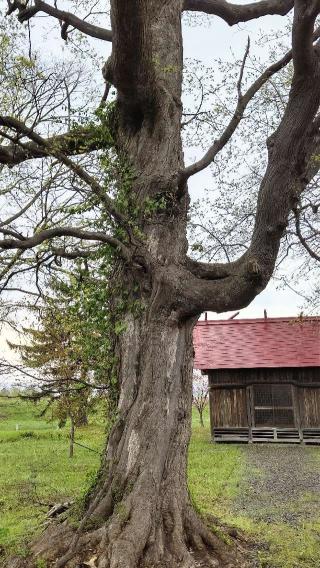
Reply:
x=140 y=515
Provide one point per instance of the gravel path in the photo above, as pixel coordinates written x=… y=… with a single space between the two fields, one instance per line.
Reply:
x=283 y=483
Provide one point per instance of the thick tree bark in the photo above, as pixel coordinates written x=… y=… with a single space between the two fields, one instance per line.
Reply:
x=236 y=13
x=140 y=514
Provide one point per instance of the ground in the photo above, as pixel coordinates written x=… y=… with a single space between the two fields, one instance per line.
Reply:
x=269 y=494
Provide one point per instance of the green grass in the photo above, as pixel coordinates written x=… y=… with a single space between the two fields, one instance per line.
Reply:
x=215 y=471
x=35 y=470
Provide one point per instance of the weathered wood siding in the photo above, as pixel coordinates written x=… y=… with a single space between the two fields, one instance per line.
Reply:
x=228 y=407
x=231 y=402
x=239 y=377
x=309 y=403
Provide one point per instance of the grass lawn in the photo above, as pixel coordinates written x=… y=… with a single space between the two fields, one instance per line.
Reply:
x=35 y=470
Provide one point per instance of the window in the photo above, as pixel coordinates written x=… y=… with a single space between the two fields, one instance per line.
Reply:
x=273 y=406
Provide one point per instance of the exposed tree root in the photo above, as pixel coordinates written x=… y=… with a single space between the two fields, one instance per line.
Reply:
x=178 y=540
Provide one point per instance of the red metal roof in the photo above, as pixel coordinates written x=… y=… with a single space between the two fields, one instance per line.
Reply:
x=252 y=343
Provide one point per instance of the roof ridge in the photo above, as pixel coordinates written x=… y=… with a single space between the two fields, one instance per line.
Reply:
x=296 y=319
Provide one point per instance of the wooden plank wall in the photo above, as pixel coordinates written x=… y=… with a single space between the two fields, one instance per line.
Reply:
x=229 y=395
x=228 y=407
x=309 y=402
x=306 y=375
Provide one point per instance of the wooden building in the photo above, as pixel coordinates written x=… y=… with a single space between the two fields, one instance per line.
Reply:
x=264 y=378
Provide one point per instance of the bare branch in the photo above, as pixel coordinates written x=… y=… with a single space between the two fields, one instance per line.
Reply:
x=22 y=210
x=244 y=277
x=23 y=291
x=243 y=102
x=11 y=233
x=235 y=13
x=48 y=234
x=48 y=385
x=67 y=19
x=50 y=149
x=245 y=57
x=72 y=255
x=291 y=163
x=303 y=241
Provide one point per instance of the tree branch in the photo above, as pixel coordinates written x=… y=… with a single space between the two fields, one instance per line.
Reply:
x=76 y=253
x=67 y=19
x=47 y=384
x=76 y=142
x=49 y=234
x=50 y=149
x=290 y=167
x=303 y=241
x=305 y=14
x=25 y=208
x=234 y=13
x=243 y=102
x=208 y=270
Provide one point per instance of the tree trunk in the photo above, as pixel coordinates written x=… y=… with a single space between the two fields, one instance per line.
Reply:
x=145 y=491
x=81 y=418
x=71 y=445
x=140 y=514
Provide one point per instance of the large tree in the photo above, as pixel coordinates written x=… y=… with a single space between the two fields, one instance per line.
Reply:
x=139 y=513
